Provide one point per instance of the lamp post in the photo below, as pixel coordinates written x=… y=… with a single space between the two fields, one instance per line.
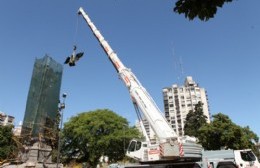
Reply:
x=61 y=109
x=124 y=139
x=125 y=125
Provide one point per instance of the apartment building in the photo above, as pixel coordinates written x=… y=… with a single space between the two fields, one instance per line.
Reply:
x=6 y=119
x=179 y=100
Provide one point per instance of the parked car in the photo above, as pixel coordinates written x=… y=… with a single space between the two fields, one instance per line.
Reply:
x=114 y=165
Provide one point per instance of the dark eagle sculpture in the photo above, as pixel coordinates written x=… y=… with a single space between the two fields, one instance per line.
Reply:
x=73 y=58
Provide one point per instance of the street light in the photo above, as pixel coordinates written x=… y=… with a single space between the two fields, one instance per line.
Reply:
x=125 y=125
x=61 y=108
x=124 y=139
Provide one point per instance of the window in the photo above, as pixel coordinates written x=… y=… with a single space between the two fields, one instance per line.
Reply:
x=247 y=156
x=138 y=145
x=226 y=165
x=132 y=146
x=175 y=91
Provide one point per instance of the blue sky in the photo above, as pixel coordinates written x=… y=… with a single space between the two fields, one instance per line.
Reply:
x=222 y=55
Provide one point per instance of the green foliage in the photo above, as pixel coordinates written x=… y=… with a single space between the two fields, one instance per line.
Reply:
x=249 y=140
x=8 y=147
x=223 y=133
x=220 y=133
x=93 y=134
x=195 y=120
x=203 y=9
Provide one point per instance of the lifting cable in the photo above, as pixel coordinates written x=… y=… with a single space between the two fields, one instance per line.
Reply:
x=76 y=31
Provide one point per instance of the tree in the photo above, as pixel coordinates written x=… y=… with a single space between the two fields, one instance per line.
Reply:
x=203 y=9
x=223 y=133
x=249 y=139
x=8 y=147
x=195 y=120
x=93 y=134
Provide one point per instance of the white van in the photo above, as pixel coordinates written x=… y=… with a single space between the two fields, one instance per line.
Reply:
x=242 y=158
x=246 y=159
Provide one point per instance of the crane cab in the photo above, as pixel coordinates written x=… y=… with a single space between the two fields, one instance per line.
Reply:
x=143 y=151
x=135 y=149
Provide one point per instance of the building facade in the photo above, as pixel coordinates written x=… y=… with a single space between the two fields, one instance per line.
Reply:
x=43 y=97
x=6 y=119
x=179 y=100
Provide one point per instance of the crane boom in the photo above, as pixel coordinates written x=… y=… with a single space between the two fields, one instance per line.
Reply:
x=137 y=91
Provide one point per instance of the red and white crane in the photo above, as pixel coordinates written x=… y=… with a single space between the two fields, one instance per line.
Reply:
x=169 y=146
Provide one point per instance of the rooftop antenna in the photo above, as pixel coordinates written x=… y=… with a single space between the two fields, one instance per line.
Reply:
x=181 y=68
x=178 y=67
